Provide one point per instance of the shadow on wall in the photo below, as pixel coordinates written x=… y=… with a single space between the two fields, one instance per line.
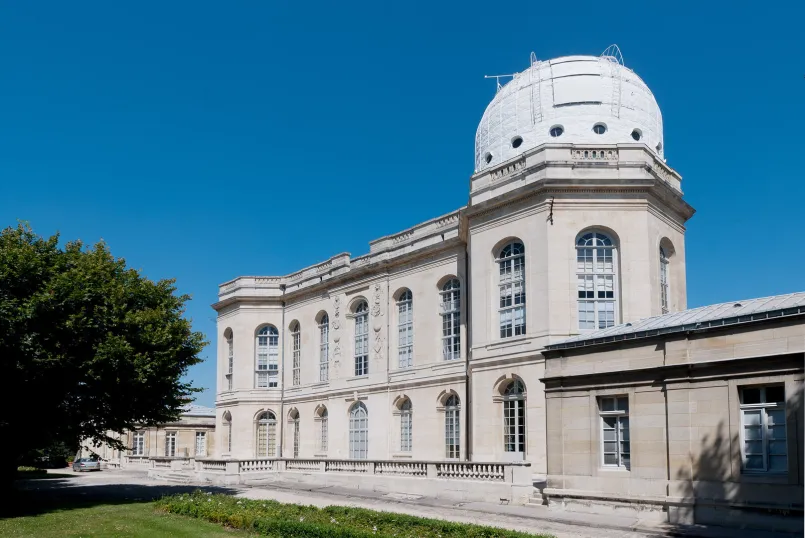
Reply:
x=708 y=485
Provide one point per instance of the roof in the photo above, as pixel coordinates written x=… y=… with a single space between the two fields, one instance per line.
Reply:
x=704 y=317
x=193 y=410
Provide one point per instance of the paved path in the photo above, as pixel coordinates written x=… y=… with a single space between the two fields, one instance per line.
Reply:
x=119 y=485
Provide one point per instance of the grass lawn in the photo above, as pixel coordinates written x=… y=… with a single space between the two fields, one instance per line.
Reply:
x=112 y=520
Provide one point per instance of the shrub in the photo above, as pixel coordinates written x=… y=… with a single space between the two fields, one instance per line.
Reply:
x=277 y=520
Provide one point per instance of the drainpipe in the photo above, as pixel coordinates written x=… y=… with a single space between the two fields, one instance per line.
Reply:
x=467 y=379
x=281 y=417
x=388 y=369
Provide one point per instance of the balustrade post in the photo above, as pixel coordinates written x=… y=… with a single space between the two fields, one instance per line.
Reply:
x=431 y=468
x=323 y=466
x=151 y=463
x=280 y=465
x=198 y=465
x=508 y=473
x=370 y=467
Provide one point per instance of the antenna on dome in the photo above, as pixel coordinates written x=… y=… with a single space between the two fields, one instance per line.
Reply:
x=613 y=54
x=533 y=59
x=497 y=80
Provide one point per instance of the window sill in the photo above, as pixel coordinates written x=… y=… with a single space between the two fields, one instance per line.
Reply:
x=320 y=454
x=508 y=341
x=402 y=455
x=615 y=470
x=357 y=378
x=764 y=477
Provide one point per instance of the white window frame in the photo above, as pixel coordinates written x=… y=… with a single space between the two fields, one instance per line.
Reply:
x=170 y=444
x=664 y=287
x=763 y=409
x=266 y=435
x=451 y=319
x=512 y=290
x=323 y=432
x=592 y=276
x=514 y=418
x=267 y=358
x=406 y=426
x=621 y=416
x=452 y=427
x=405 y=329
x=230 y=361
x=229 y=436
x=358 y=432
x=295 y=433
x=202 y=436
x=296 y=352
x=362 y=339
x=138 y=444
x=324 y=348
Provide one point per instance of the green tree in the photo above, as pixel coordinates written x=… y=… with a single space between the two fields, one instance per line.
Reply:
x=87 y=346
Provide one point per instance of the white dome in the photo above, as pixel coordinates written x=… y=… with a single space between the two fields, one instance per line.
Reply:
x=575 y=93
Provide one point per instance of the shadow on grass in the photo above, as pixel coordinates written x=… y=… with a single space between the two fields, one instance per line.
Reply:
x=35 y=497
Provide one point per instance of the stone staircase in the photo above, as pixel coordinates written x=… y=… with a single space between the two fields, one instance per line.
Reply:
x=173 y=476
x=537 y=498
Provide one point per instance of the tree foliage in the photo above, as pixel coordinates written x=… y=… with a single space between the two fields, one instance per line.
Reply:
x=87 y=345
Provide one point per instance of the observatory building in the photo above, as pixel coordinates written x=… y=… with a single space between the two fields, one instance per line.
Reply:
x=546 y=322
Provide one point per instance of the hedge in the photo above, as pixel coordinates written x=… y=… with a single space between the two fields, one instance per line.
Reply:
x=277 y=520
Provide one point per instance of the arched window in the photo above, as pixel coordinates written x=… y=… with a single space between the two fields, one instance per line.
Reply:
x=296 y=342
x=294 y=416
x=324 y=348
x=452 y=428
x=358 y=432
x=514 y=419
x=664 y=280
x=230 y=351
x=266 y=435
x=362 y=339
x=451 y=319
x=511 y=264
x=405 y=328
x=267 y=374
x=322 y=430
x=595 y=274
x=406 y=426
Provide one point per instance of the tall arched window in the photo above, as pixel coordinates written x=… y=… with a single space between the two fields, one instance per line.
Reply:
x=294 y=419
x=267 y=373
x=405 y=328
x=664 y=280
x=322 y=430
x=362 y=339
x=451 y=319
x=406 y=426
x=324 y=348
x=230 y=351
x=266 y=435
x=358 y=432
x=596 y=261
x=514 y=419
x=452 y=428
x=296 y=343
x=511 y=264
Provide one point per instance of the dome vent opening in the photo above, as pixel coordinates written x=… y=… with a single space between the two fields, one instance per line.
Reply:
x=557 y=131
x=488 y=158
x=637 y=134
x=517 y=141
x=599 y=128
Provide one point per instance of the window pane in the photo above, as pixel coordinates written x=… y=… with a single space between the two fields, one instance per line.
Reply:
x=751 y=396
x=753 y=447
x=610 y=446
x=778 y=463
x=608 y=404
x=609 y=435
x=754 y=462
x=775 y=394
x=751 y=418
x=623 y=404
x=752 y=434
x=627 y=461
x=610 y=459
x=776 y=417
x=777 y=448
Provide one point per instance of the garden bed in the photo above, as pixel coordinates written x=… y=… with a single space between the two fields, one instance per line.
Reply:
x=274 y=519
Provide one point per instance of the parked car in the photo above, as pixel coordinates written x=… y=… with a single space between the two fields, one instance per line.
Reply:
x=86 y=464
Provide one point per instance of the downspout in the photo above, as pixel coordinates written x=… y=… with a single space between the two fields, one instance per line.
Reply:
x=388 y=369
x=281 y=417
x=467 y=379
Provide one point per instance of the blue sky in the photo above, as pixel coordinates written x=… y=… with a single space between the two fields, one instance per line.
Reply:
x=205 y=140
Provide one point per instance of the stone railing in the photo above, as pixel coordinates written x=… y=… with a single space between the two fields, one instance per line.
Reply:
x=256 y=466
x=303 y=465
x=137 y=461
x=589 y=154
x=482 y=481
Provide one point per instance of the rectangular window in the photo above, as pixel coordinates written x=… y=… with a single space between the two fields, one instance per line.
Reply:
x=324 y=348
x=763 y=432
x=231 y=362
x=405 y=431
x=451 y=320
x=452 y=434
x=615 y=447
x=201 y=443
x=138 y=445
x=405 y=330
x=297 y=356
x=362 y=344
x=170 y=444
x=323 y=434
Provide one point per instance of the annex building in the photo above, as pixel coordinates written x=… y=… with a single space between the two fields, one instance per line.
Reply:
x=544 y=322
